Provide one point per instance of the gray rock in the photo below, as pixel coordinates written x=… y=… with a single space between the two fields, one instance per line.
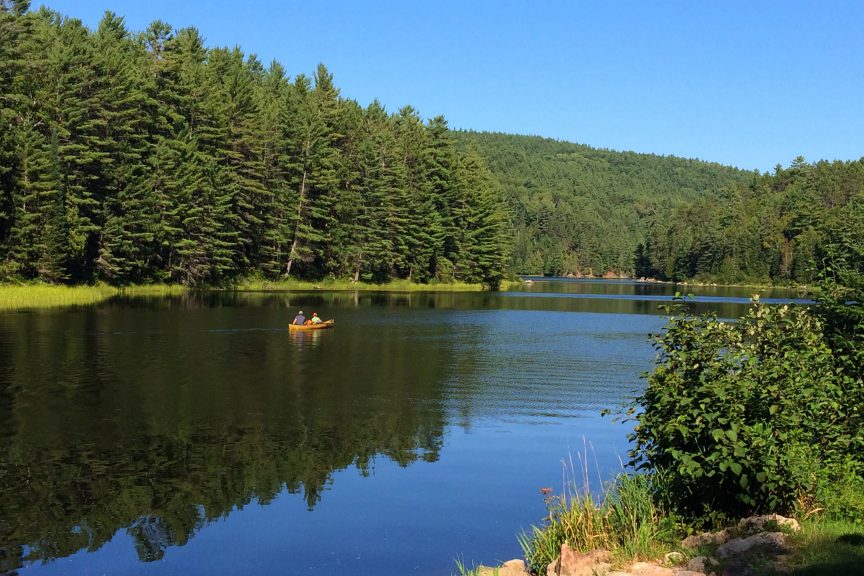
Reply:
x=773 y=540
x=706 y=539
x=697 y=564
x=756 y=524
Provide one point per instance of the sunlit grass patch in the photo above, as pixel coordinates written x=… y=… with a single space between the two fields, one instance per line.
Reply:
x=331 y=284
x=33 y=296
x=13 y=297
x=827 y=547
x=152 y=290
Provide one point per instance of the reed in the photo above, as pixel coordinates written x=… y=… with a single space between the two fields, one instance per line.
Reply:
x=474 y=570
x=621 y=518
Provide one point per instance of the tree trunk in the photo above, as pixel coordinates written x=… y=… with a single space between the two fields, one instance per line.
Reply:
x=296 y=241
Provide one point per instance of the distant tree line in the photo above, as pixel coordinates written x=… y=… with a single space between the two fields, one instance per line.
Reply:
x=583 y=211
x=137 y=158
x=778 y=227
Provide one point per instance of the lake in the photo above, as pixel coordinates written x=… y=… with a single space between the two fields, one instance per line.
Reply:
x=195 y=435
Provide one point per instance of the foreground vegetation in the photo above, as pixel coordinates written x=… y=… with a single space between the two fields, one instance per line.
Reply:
x=628 y=522
x=761 y=415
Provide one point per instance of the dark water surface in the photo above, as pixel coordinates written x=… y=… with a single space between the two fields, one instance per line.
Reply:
x=196 y=435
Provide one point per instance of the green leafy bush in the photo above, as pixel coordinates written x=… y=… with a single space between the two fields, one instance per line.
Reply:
x=747 y=416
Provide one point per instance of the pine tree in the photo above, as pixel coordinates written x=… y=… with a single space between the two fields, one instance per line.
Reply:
x=14 y=30
x=316 y=169
x=415 y=246
x=440 y=197
x=126 y=241
x=480 y=218
x=273 y=102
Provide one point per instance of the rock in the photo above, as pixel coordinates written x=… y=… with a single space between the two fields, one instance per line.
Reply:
x=573 y=563
x=757 y=523
x=706 y=539
x=673 y=558
x=648 y=569
x=509 y=568
x=700 y=564
x=773 y=540
x=689 y=573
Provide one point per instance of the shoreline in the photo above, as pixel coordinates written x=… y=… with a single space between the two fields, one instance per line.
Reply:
x=47 y=296
x=530 y=279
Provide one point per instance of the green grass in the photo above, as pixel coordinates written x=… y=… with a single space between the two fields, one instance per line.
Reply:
x=34 y=296
x=826 y=547
x=152 y=290
x=13 y=297
x=395 y=286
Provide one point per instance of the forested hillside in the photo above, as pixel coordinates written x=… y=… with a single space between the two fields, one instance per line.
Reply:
x=582 y=210
x=136 y=158
x=781 y=227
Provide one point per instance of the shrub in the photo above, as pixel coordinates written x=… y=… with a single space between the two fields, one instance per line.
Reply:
x=742 y=417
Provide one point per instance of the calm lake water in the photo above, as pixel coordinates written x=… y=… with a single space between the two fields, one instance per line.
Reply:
x=196 y=435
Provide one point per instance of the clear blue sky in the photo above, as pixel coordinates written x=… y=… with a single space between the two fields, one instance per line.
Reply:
x=749 y=83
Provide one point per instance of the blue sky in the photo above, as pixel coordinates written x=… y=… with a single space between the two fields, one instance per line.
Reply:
x=749 y=83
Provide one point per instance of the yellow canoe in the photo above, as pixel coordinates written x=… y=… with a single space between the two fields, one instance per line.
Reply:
x=320 y=326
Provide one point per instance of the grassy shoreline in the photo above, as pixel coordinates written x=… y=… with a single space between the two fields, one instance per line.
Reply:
x=40 y=296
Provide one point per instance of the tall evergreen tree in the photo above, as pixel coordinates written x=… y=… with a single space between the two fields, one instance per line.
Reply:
x=126 y=239
x=480 y=218
x=316 y=170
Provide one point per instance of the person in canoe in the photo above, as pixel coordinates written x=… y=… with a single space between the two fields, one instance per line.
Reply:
x=300 y=319
x=315 y=318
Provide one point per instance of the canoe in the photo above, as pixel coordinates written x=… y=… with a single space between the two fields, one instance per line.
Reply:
x=321 y=326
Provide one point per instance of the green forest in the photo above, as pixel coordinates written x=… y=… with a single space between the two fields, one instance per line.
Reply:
x=146 y=157
x=137 y=158
x=583 y=211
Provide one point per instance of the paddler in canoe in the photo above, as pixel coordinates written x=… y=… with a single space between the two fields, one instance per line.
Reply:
x=299 y=319
x=301 y=323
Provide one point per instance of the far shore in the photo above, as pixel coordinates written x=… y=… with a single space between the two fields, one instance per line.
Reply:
x=39 y=295
x=529 y=278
